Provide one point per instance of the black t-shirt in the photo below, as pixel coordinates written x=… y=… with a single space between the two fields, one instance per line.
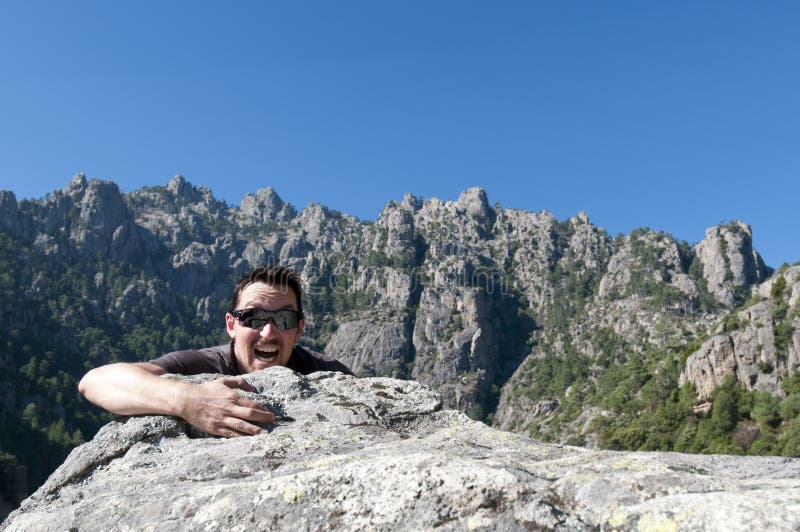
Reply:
x=221 y=359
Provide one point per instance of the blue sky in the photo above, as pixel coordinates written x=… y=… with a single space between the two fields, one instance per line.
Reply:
x=670 y=115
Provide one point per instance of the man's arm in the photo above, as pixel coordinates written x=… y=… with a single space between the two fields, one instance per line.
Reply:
x=215 y=407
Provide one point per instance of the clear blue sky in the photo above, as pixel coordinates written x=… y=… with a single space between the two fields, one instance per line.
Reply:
x=671 y=115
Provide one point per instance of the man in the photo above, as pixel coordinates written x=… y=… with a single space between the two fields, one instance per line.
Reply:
x=264 y=322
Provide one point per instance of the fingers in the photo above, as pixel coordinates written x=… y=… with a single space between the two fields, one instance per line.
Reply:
x=237 y=382
x=258 y=411
x=235 y=427
x=246 y=403
x=229 y=426
x=257 y=415
x=218 y=409
x=221 y=411
x=234 y=398
x=229 y=433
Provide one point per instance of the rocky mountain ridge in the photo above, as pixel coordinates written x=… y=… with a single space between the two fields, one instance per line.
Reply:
x=515 y=317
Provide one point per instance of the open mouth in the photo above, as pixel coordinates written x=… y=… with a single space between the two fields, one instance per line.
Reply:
x=267 y=353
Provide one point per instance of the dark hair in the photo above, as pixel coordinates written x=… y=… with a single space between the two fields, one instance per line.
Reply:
x=279 y=276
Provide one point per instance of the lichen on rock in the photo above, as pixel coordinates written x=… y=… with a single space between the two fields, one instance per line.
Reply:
x=381 y=454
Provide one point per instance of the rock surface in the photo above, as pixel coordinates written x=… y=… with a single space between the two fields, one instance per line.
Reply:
x=381 y=454
x=748 y=350
x=729 y=261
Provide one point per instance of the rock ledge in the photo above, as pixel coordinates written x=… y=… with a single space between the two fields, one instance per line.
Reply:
x=380 y=454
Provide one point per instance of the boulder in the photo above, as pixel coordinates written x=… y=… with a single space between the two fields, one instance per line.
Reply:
x=380 y=454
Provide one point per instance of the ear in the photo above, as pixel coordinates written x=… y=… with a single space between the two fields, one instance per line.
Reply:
x=230 y=321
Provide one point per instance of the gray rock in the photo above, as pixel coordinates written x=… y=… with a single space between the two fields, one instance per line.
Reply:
x=264 y=207
x=77 y=186
x=475 y=204
x=295 y=246
x=183 y=190
x=655 y=257
x=707 y=367
x=379 y=454
x=749 y=353
x=518 y=413
x=792 y=277
x=263 y=251
x=372 y=349
x=400 y=234
x=138 y=299
x=101 y=210
x=456 y=345
x=729 y=261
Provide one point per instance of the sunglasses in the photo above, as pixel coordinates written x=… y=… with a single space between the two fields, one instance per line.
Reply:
x=256 y=318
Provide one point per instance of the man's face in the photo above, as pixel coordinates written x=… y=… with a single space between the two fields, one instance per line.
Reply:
x=256 y=350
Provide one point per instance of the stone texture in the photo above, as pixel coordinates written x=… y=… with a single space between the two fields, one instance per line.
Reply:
x=372 y=349
x=654 y=256
x=709 y=365
x=749 y=353
x=455 y=344
x=264 y=207
x=380 y=454
x=729 y=260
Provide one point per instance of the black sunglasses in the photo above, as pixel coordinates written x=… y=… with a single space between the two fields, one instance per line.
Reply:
x=256 y=318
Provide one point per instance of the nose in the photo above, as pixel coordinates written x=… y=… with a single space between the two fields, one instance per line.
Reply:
x=269 y=329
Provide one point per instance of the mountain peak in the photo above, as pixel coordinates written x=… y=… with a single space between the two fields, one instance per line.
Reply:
x=77 y=185
x=474 y=201
x=729 y=261
x=178 y=185
x=266 y=206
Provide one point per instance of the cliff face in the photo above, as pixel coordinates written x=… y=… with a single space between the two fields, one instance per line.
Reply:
x=729 y=262
x=381 y=454
x=756 y=345
x=515 y=317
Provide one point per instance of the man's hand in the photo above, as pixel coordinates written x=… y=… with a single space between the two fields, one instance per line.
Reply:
x=217 y=408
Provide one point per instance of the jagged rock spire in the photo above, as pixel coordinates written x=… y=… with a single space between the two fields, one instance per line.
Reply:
x=729 y=261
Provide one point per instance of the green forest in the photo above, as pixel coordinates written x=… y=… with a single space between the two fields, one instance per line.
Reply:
x=637 y=391
x=56 y=332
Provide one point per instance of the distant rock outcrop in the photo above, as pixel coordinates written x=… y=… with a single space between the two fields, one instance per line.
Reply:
x=748 y=350
x=264 y=207
x=729 y=261
x=372 y=349
x=380 y=454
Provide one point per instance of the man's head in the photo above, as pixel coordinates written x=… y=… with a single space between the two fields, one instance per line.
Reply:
x=265 y=318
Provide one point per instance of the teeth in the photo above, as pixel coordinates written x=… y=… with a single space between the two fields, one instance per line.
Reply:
x=267 y=352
